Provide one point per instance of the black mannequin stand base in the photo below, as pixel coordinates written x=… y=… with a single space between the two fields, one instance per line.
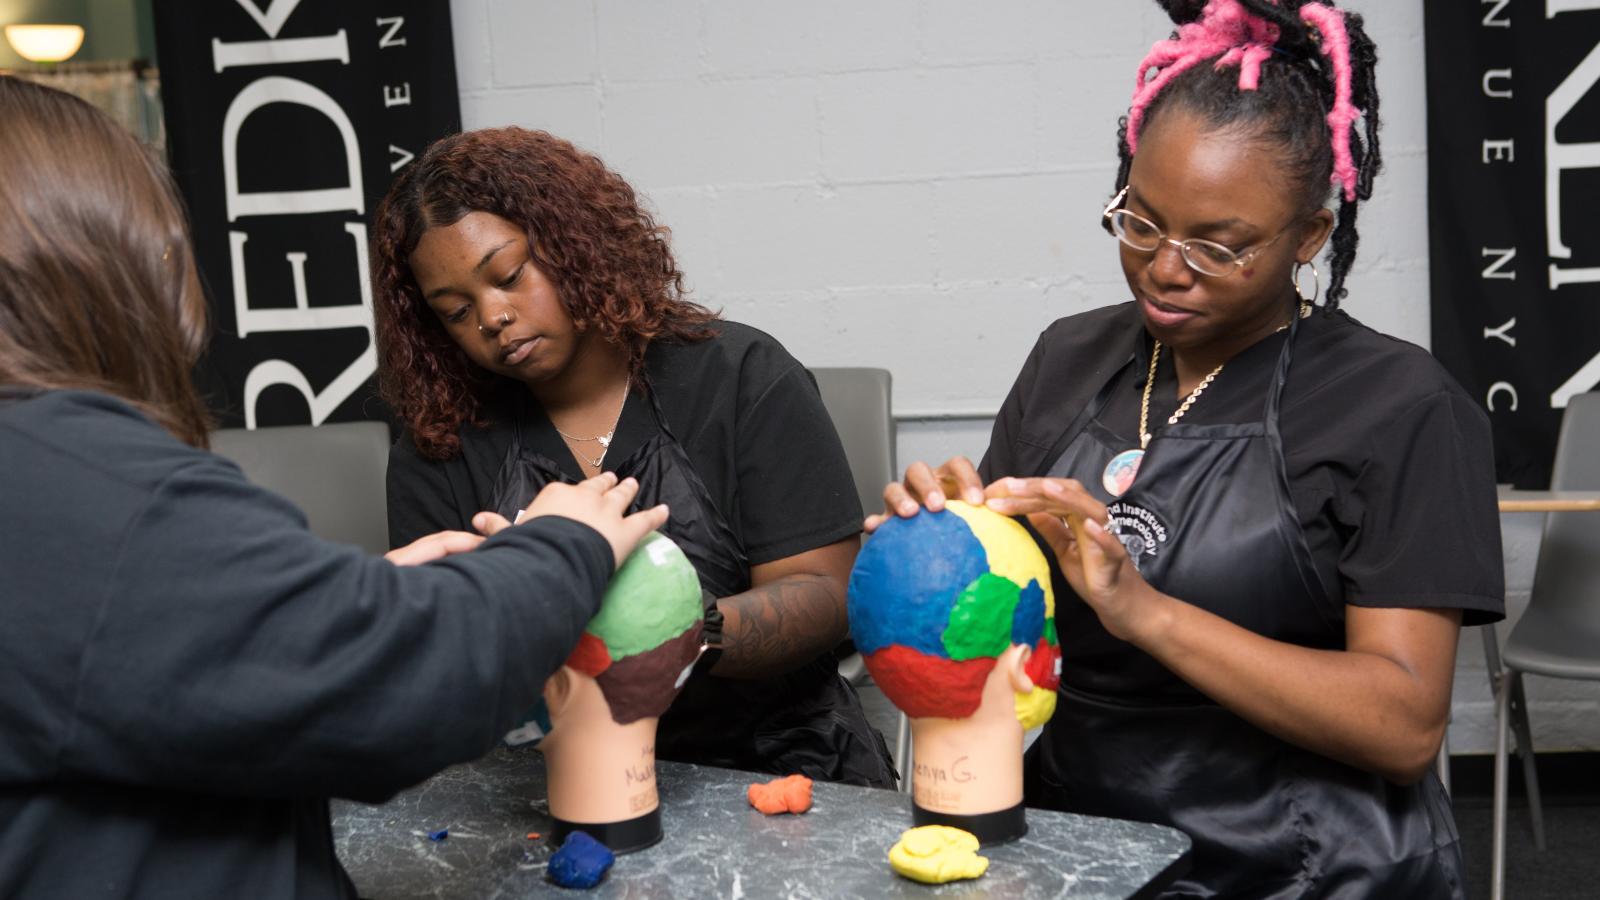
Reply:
x=999 y=827
x=619 y=837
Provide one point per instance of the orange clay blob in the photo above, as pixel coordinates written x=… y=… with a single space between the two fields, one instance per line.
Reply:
x=781 y=795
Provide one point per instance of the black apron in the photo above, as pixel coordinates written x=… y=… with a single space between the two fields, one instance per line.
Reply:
x=1210 y=520
x=808 y=720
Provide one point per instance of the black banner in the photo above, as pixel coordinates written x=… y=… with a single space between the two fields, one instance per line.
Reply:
x=1514 y=172
x=286 y=121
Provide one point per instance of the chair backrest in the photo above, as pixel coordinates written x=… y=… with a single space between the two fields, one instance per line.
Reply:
x=1577 y=466
x=1566 y=578
x=334 y=473
x=858 y=401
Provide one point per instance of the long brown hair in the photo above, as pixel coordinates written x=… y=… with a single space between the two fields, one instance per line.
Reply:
x=610 y=263
x=98 y=287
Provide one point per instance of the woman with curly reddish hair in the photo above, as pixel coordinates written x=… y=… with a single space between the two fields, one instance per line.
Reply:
x=533 y=329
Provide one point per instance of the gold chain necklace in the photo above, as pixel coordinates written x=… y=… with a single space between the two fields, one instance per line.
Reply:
x=604 y=440
x=1144 y=405
x=1124 y=467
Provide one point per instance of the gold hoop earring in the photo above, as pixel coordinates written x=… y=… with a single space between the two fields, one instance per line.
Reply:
x=1316 y=290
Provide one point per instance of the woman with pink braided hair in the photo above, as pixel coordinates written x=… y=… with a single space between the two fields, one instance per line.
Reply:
x=1270 y=521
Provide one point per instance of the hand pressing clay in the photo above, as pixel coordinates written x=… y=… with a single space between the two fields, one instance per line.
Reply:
x=782 y=795
x=937 y=854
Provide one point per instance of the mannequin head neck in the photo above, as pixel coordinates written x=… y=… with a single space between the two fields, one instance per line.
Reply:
x=953 y=613
x=599 y=770
x=604 y=703
x=973 y=766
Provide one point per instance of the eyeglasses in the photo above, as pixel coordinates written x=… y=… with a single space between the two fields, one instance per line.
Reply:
x=1205 y=257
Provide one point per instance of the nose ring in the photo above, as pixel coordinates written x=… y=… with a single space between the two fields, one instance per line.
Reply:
x=505 y=319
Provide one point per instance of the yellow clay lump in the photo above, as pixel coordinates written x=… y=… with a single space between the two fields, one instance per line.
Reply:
x=937 y=854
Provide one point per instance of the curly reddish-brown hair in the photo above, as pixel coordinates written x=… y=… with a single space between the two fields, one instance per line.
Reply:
x=606 y=256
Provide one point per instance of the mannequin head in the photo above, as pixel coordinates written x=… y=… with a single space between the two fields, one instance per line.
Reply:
x=939 y=601
x=639 y=648
x=954 y=615
x=603 y=703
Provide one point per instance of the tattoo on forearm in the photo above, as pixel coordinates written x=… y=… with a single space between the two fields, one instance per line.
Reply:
x=781 y=625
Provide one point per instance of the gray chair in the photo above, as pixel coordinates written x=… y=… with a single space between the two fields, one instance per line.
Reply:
x=334 y=473
x=1559 y=634
x=858 y=401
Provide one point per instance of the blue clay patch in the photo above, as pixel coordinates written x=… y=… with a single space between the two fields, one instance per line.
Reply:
x=582 y=862
x=921 y=564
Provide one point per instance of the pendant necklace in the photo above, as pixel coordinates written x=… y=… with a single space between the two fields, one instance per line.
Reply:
x=1124 y=467
x=604 y=440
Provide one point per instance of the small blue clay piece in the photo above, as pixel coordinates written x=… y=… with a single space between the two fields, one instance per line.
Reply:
x=581 y=862
x=437 y=836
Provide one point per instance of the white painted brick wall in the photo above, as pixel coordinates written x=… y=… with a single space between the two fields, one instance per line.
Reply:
x=928 y=124
x=907 y=183
x=543 y=42
x=773 y=39
x=950 y=151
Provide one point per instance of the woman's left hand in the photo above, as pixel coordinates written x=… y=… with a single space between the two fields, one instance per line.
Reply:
x=1093 y=560
x=432 y=547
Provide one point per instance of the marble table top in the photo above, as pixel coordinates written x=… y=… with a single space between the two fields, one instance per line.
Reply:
x=717 y=846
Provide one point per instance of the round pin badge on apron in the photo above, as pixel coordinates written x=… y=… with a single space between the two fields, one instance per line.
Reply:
x=1123 y=468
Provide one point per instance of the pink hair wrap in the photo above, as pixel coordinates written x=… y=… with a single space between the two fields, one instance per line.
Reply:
x=1336 y=47
x=1227 y=31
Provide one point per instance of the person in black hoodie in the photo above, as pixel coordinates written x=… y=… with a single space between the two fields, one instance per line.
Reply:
x=189 y=673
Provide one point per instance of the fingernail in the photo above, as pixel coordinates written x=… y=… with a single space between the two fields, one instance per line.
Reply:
x=935 y=497
x=975 y=497
x=1013 y=484
x=907 y=508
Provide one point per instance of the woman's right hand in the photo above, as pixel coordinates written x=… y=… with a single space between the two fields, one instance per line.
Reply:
x=928 y=487
x=598 y=502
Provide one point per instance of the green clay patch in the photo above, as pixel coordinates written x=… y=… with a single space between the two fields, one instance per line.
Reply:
x=654 y=597
x=1050 y=632
x=980 y=624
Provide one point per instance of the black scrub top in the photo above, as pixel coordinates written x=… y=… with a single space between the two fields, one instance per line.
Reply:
x=1390 y=463
x=747 y=413
x=750 y=420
